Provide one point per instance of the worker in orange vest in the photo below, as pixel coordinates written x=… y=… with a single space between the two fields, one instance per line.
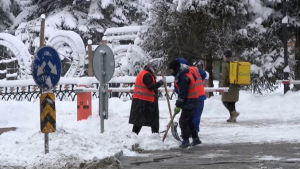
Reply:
x=187 y=101
x=201 y=75
x=144 y=107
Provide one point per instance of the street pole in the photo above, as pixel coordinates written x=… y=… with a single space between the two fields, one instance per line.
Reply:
x=42 y=41
x=284 y=31
x=102 y=110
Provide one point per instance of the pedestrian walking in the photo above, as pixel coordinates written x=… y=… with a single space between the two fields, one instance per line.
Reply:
x=229 y=98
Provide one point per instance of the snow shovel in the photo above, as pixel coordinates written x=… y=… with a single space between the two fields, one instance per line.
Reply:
x=174 y=131
x=169 y=125
x=173 y=125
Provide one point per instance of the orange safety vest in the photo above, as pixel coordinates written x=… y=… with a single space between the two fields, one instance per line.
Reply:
x=199 y=81
x=192 y=91
x=140 y=90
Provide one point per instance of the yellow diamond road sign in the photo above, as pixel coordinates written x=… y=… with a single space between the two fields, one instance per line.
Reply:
x=48 y=116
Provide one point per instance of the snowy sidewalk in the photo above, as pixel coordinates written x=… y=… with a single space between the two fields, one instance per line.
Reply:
x=267 y=118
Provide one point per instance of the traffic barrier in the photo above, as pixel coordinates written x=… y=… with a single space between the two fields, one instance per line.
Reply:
x=131 y=89
x=288 y=81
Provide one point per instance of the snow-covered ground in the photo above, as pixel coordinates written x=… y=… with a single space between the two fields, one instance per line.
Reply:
x=264 y=118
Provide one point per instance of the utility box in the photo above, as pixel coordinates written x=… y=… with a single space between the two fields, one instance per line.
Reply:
x=239 y=73
x=84 y=105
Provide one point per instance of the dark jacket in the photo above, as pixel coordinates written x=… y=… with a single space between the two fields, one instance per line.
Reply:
x=202 y=74
x=183 y=83
x=145 y=113
x=233 y=93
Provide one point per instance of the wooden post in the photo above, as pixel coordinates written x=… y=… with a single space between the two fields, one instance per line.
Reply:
x=42 y=31
x=90 y=55
x=104 y=42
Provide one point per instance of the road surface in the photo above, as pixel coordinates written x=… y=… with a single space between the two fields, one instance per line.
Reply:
x=239 y=156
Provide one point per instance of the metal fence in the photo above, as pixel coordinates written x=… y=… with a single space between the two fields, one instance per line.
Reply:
x=62 y=92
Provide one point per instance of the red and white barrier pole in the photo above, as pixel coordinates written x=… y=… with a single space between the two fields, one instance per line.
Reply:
x=288 y=81
x=130 y=89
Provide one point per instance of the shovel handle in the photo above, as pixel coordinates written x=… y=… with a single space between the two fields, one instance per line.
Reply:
x=170 y=124
x=167 y=94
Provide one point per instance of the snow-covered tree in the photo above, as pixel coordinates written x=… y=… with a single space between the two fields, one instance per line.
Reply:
x=8 y=11
x=265 y=52
x=293 y=12
x=204 y=29
x=195 y=30
x=87 y=18
x=262 y=44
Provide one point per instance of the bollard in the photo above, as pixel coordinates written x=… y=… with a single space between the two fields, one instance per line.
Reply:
x=84 y=104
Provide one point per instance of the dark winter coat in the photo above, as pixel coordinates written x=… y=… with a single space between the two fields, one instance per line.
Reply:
x=233 y=93
x=183 y=83
x=202 y=74
x=145 y=113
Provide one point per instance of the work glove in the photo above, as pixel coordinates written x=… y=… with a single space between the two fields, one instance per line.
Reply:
x=163 y=80
x=177 y=110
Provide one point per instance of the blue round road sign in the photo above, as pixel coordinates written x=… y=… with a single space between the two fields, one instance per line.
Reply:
x=46 y=68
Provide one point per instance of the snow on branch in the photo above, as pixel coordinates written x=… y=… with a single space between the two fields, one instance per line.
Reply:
x=123 y=30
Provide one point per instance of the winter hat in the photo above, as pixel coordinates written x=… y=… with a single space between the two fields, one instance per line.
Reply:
x=153 y=67
x=227 y=54
x=183 y=61
x=174 y=64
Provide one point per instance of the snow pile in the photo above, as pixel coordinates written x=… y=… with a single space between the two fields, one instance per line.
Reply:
x=264 y=118
x=86 y=81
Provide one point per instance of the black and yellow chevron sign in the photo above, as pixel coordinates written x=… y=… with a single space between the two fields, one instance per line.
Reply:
x=48 y=116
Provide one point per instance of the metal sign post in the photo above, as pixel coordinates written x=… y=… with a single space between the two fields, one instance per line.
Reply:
x=46 y=71
x=102 y=92
x=103 y=69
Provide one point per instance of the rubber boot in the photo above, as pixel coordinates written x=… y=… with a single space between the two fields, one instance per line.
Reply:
x=196 y=141
x=185 y=144
x=233 y=116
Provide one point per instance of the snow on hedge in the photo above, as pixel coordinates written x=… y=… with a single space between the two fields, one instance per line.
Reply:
x=20 y=51
x=76 y=44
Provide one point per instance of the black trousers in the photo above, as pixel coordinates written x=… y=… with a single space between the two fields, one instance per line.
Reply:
x=136 y=129
x=186 y=124
x=230 y=106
